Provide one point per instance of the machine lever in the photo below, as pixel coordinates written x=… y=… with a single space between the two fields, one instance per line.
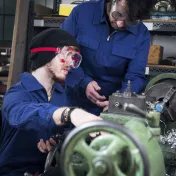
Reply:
x=134 y=109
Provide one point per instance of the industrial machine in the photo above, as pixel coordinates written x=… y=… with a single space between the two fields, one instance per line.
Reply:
x=136 y=137
x=165 y=5
x=164 y=9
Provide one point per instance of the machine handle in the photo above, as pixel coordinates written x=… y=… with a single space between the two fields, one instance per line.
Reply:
x=134 y=109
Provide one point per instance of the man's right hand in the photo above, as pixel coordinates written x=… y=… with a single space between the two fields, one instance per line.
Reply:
x=92 y=92
x=79 y=117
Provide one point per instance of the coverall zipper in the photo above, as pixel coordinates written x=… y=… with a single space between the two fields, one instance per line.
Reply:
x=109 y=36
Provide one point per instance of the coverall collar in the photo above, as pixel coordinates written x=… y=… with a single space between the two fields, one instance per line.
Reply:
x=31 y=84
x=100 y=17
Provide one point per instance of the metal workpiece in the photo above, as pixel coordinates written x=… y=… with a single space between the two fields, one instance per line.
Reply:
x=117 y=101
x=161 y=95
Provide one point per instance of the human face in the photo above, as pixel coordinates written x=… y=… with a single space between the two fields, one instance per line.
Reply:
x=118 y=12
x=66 y=58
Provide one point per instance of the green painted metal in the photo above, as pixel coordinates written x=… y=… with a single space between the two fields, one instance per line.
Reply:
x=105 y=155
x=120 y=118
x=153 y=120
x=160 y=78
x=152 y=146
x=115 y=154
x=148 y=135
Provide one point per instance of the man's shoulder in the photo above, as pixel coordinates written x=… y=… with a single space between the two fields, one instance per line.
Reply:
x=143 y=28
x=16 y=87
x=17 y=90
x=88 y=5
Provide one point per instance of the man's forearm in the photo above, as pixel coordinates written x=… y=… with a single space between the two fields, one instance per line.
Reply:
x=57 y=115
x=77 y=116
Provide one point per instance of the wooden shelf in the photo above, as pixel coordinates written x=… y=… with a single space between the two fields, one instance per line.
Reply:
x=159 y=21
x=154 y=70
x=1 y=47
x=56 y=17
x=162 y=66
x=152 y=25
x=3 y=78
x=63 y=17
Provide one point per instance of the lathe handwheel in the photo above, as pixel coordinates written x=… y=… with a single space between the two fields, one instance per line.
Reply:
x=104 y=154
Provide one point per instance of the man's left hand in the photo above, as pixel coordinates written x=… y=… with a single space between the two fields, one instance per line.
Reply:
x=103 y=104
x=46 y=147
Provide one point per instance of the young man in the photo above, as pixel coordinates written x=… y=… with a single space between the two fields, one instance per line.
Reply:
x=114 y=44
x=35 y=108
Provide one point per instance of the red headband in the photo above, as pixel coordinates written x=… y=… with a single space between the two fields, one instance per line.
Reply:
x=50 y=49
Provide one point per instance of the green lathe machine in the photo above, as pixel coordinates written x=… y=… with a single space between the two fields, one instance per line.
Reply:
x=138 y=136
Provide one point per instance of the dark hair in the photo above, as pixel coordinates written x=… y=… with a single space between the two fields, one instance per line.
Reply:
x=139 y=9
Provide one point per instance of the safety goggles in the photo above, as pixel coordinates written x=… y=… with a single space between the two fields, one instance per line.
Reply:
x=118 y=15
x=69 y=56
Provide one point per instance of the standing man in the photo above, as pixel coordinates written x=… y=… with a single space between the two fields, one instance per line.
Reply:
x=36 y=108
x=114 y=44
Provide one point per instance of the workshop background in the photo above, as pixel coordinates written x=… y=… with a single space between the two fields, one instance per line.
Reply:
x=21 y=20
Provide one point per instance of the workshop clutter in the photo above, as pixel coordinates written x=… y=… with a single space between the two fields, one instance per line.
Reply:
x=155 y=54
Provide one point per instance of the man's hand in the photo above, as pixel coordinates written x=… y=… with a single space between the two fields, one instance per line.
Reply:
x=45 y=147
x=79 y=117
x=103 y=104
x=92 y=92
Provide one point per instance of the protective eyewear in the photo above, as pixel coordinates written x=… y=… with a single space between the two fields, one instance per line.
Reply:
x=71 y=57
x=118 y=15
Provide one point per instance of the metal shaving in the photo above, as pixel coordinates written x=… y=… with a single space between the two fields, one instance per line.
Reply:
x=169 y=138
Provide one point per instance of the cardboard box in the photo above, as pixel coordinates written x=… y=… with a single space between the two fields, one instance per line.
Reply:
x=155 y=54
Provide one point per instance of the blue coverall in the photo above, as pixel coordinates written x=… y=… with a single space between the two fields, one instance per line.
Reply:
x=26 y=118
x=109 y=59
